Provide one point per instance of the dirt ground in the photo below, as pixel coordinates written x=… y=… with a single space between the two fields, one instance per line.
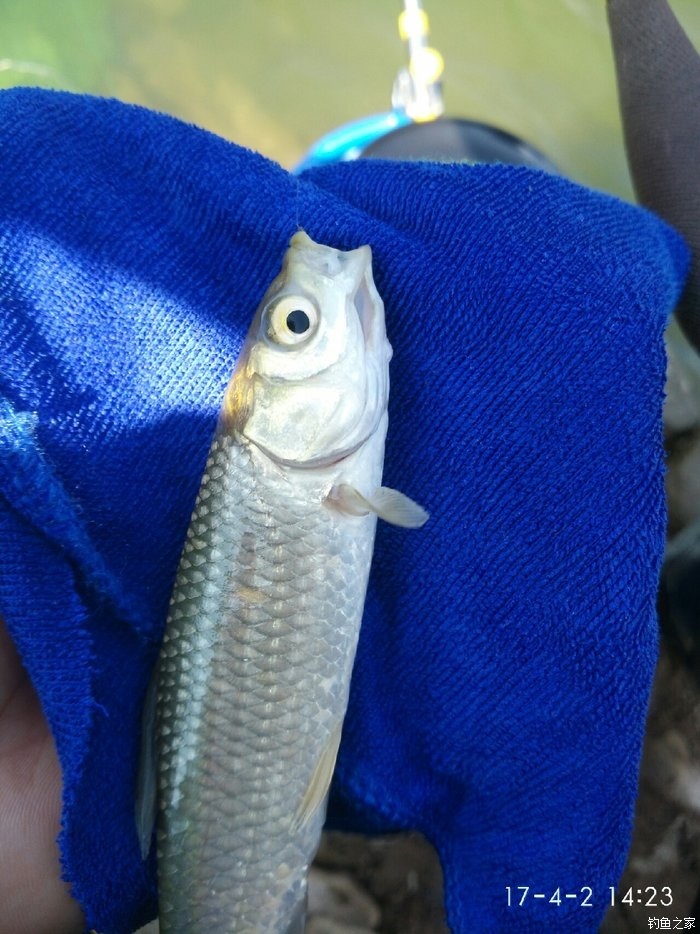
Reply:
x=666 y=844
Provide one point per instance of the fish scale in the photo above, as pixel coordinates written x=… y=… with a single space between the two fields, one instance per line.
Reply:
x=254 y=672
x=238 y=749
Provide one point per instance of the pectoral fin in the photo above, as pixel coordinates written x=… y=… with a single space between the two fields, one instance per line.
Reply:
x=315 y=794
x=388 y=504
x=146 y=804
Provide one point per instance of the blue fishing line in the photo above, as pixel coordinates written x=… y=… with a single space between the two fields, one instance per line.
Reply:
x=348 y=141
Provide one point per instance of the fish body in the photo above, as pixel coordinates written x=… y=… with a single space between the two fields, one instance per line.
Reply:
x=254 y=671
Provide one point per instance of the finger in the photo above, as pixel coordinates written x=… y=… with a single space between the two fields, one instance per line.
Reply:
x=34 y=899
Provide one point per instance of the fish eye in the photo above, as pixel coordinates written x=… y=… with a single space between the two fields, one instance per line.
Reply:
x=291 y=320
x=298 y=321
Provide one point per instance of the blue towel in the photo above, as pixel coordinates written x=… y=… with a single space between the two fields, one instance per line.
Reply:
x=507 y=649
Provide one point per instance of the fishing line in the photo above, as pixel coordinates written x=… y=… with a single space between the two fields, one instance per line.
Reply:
x=415 y=128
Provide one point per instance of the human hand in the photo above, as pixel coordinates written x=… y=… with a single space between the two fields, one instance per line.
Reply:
x=34 y=899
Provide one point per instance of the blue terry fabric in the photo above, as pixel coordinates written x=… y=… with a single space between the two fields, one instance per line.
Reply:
x=507 y=650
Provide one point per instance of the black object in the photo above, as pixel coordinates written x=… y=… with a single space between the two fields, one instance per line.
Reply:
x=457 y=140
x=658 y=77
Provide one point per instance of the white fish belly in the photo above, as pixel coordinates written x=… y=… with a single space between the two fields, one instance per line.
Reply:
x=253 y=683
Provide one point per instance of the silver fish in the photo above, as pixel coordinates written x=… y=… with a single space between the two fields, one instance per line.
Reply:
x=254 y=671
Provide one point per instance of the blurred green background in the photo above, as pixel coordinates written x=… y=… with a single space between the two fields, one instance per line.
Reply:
x=274 y=75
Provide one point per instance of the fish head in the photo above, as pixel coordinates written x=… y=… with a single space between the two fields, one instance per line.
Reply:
x=312 y=382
